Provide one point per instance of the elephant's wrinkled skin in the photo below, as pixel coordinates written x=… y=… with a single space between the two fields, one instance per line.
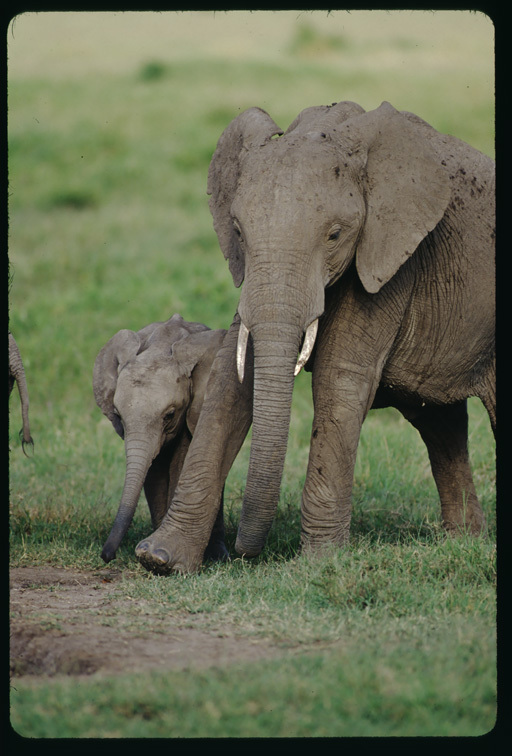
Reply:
x=384 y=229
x=17 y=375
x=150 y=384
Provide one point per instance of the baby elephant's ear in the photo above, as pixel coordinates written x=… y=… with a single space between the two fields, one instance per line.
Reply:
x=110 y=361
x=195 y=355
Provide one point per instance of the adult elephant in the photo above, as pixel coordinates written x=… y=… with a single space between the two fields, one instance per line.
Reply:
x=382 y=228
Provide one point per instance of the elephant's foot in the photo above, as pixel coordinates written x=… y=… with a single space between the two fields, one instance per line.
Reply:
x=153 y=560
x=162 y=557
x=320 y=541
x=216 y=552
x=471 y=523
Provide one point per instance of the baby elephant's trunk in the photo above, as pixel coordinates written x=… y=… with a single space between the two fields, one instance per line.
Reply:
x=138 y=461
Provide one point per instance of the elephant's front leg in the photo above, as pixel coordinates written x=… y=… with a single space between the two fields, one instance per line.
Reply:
x=226 y=415
x=355 y=338
x=342 y=397
x=157 y=486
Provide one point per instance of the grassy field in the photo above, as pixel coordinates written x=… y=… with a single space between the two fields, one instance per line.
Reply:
x=113 y=119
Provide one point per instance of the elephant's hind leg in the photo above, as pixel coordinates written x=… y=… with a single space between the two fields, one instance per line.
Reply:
x=444 y=429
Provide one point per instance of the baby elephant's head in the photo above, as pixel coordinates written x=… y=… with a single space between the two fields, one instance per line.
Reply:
x=153 y=394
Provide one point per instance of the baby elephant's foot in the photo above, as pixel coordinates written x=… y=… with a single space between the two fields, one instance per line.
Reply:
x=216 y=552
x=161 y=558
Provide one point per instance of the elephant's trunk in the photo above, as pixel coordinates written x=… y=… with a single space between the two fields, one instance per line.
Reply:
x=277 y=306
x=139 y=456
x=276 y=346
x=17 y=373
x=26 y=438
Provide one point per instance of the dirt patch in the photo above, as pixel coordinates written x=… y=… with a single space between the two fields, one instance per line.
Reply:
x=70 y=622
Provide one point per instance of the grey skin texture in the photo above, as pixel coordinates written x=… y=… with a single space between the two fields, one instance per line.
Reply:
x=150 y=384
x=17 y=375
x=382 y=228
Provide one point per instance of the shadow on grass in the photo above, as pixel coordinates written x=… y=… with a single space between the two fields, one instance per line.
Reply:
x=372 y=523
x=73 y=536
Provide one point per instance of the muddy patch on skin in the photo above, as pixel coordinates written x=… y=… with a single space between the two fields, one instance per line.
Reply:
x=71 y=622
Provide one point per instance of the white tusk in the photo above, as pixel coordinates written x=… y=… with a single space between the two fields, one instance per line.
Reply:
x=307 y=347
x=241 y=348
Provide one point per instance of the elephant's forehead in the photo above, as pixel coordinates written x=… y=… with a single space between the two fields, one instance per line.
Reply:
x=145 y=373
x=283 y=166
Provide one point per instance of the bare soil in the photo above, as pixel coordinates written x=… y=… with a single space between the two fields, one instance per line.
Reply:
x=72 y=622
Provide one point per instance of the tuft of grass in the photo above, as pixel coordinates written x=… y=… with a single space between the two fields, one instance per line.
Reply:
x=441 y=575
x=308 y=41
x=153 y=70
x=72 y=199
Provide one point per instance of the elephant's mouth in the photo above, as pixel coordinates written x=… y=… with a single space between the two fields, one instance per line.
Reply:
x=305 y=353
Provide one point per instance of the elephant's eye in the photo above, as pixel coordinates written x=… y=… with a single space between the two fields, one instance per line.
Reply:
x=169 y=416
x=238 y=230
x=334 y=234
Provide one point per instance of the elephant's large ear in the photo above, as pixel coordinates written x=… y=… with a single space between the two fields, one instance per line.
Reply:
x=250 y=129
x=195 y=355
x=407 y=191
x=110 y=361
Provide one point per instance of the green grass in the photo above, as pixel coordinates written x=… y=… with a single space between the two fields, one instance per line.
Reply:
x=109 y=229
x=391 y=683
x=383 y=639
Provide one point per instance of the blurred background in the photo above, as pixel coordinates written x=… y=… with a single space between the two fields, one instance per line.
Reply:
x=112 y=122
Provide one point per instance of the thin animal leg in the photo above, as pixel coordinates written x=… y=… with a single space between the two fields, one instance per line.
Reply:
x=444 y=429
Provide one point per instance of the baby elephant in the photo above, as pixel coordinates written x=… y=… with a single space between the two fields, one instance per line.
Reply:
x=150 y=385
